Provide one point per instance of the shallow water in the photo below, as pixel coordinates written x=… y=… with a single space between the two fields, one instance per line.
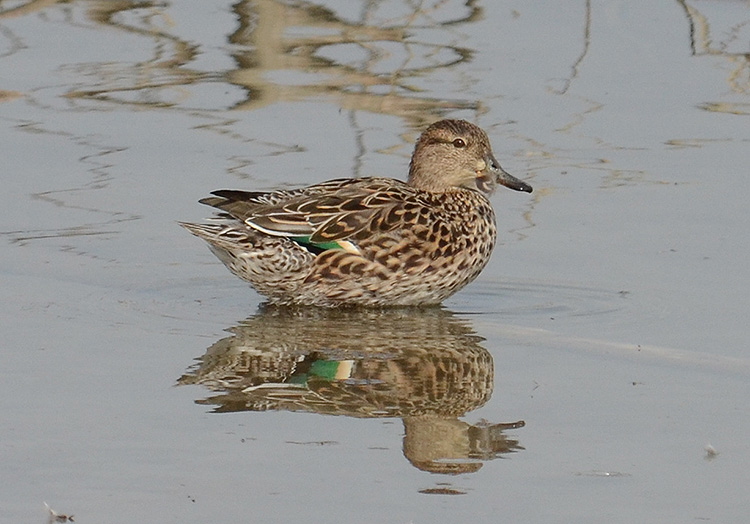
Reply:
x=141 y=382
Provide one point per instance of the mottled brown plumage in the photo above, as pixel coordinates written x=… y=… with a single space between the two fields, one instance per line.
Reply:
x=369 y=241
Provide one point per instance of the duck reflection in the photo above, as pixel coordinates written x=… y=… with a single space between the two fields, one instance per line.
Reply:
x=425 y=366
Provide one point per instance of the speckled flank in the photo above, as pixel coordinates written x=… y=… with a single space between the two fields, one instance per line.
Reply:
x=370 y=241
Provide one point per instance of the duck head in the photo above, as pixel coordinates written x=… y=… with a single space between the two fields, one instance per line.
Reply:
x=456 y=153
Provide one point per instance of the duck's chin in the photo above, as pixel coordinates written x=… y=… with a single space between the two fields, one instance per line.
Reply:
x=485 y=183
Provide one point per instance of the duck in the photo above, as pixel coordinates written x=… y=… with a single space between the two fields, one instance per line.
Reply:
x=373 y=241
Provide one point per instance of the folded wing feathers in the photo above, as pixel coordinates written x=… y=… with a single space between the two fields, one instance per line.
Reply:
x=334 y=210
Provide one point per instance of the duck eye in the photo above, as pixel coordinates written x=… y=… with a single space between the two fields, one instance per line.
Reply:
x=459 y=143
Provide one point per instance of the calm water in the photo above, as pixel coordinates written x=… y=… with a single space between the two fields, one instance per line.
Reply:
x=141 y=382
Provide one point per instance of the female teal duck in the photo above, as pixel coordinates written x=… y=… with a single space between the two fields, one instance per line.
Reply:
x=369 y=241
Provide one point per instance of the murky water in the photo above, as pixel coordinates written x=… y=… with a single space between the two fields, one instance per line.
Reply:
x=141 y=382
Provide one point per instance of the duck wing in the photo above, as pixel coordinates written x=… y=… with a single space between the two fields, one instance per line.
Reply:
x=325 y=214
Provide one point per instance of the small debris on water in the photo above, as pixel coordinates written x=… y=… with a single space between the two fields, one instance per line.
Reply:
x=442 y=491
x=600 y=473
x=54 y=516
x=711 y=452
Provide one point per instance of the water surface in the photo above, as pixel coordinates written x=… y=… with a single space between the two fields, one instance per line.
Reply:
x=141 y=382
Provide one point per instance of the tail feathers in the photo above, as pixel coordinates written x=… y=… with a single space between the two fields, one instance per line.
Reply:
x=220 y=234
x=202 y=230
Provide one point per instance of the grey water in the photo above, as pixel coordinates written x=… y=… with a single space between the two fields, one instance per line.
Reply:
x=597 y=370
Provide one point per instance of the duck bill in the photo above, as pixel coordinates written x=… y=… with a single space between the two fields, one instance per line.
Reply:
x=504 y=178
